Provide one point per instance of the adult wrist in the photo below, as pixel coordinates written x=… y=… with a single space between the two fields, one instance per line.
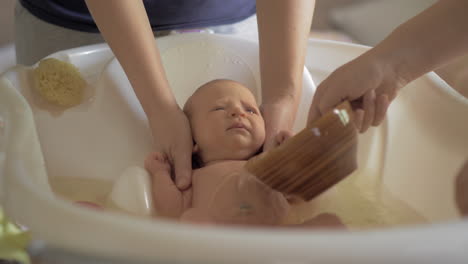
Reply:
x=159 y=104
x=393 y=63
x=289 y=93
x=402 y=56
x=161 y=107
x=281 y=112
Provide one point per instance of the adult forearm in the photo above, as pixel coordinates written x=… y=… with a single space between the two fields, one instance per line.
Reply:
x=427 y=41
x=284 y=27
x=124 y=25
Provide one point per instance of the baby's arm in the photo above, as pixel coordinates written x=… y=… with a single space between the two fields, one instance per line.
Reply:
x=168 y=200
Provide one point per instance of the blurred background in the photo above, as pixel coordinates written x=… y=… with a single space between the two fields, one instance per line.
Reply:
x=364 y=22
x=360 y=21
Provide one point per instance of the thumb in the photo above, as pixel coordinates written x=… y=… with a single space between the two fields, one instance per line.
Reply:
x=324 y=100
x=314 y=112
x=183 y=169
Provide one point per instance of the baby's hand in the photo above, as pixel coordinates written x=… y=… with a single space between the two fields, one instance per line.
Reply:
x=168 y=200
x=279 y=139
x=279 y=114
x=157 y=163
x=282 y=136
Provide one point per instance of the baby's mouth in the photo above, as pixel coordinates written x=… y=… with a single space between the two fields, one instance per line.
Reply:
x=238 y=125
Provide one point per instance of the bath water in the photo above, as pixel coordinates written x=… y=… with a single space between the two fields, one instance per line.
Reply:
x=81 y=189
x=359 y=202
x=362 y=202
x=88 y=190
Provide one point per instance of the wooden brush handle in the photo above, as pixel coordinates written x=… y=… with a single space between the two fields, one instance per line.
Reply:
x=313 y=160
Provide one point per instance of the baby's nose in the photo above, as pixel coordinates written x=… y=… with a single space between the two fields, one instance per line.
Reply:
x=237 y=113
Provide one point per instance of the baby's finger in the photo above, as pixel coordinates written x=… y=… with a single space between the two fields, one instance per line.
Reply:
x=381 y=109
x=369 y=109
x=160 y=158
x=282 y=136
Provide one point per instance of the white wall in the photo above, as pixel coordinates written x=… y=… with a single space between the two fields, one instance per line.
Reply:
x=370 y=21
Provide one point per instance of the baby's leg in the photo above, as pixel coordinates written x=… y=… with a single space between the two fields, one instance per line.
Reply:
x=168 y=199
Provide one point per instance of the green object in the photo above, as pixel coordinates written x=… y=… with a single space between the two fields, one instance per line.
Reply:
x=13 y=241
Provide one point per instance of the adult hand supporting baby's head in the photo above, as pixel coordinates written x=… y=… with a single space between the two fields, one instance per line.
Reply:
x=279 y=119
x=172 y=137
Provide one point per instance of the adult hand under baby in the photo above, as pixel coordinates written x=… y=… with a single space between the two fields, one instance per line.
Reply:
x=172 y=137
x=367 y=82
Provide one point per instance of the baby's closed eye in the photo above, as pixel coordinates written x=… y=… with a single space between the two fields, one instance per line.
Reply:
x=251 y=110
x=218 y=108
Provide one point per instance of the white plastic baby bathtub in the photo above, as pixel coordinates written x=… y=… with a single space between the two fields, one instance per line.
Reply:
x=415 y=155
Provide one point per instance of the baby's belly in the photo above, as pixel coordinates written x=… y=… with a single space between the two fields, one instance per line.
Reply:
x=240 y=199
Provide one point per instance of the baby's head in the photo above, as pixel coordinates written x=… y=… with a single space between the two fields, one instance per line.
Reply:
x=226 y=121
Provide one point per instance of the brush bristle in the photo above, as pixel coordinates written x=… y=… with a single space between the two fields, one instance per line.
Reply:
x=315 y=159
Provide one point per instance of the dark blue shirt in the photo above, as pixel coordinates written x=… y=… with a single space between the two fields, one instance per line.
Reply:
x=163 y=14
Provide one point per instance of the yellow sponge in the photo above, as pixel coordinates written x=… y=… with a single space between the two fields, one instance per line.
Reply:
x=13 y=242
x=59 y=82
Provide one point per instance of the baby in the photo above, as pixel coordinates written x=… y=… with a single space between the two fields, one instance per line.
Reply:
x=228 y=129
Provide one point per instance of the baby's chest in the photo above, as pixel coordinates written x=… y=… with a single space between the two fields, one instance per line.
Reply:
x=208 y=181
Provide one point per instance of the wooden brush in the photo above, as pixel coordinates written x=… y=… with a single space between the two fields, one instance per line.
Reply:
x=313 y=160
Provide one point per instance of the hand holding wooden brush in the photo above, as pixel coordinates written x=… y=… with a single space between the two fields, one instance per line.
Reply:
x=315 y=159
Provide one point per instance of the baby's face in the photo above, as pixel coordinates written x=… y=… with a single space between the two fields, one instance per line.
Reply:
x=226 y=122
